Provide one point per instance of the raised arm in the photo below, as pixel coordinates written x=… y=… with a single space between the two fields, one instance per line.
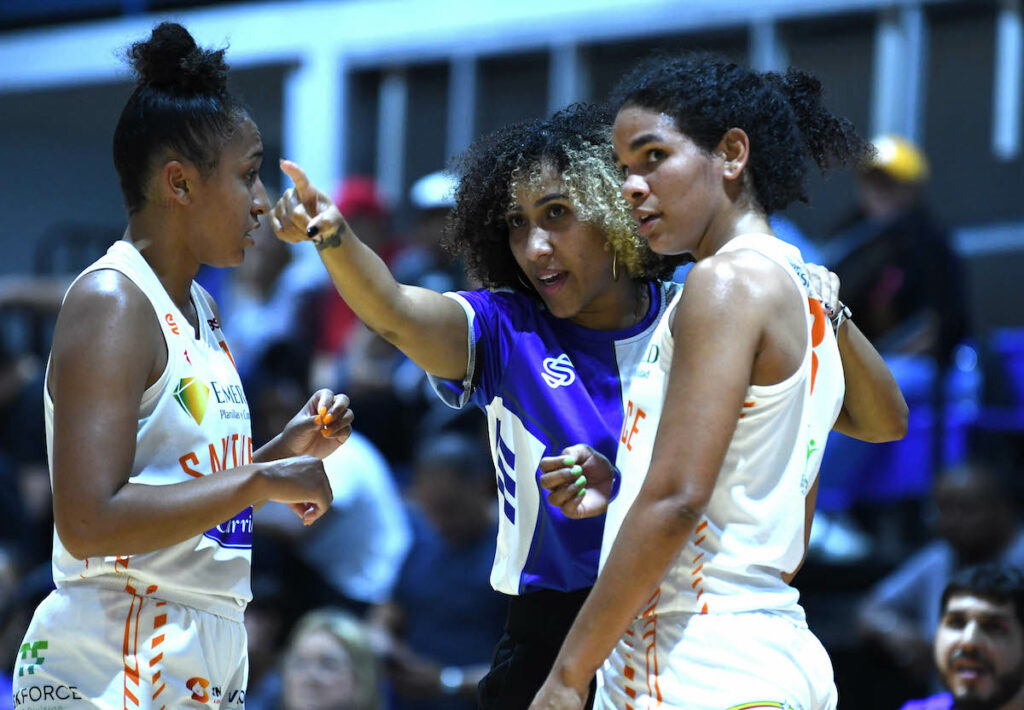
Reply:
x=107 y=349
x=873 y=408
x=429 y=328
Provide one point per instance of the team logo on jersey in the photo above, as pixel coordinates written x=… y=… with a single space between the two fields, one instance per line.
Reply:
x=192 y=394
x=235 y=533
x=197 y=686
x=558 y=371
x=31 y=658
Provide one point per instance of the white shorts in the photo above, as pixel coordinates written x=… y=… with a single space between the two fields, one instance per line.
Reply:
x=717 y=662
x=89 y=647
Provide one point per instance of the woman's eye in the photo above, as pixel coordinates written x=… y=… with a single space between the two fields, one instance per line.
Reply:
x=556 y=211
x=251 y=176
x=515 y=221
x=655 y=154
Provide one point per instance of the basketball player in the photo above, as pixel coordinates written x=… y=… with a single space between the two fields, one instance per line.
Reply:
x=728 y=412
x=548 y=350
x=154 y=477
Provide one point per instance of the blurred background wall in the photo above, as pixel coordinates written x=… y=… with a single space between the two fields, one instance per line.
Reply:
x=393 y=88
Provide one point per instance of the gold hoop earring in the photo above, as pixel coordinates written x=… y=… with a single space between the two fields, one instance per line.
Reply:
x=524 y=283
x=615 y=265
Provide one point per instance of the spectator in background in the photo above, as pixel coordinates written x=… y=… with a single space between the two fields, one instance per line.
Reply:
x=393 y=390
x=899 y=273
x=356 y=550
x=425 y=263
x=979 y=645
x=329 y=664
x=975 y=519
x=443 y=616
x=337 y=325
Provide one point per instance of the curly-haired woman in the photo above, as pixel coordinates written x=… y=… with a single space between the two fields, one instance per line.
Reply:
x=742 y=383
x=547 y=350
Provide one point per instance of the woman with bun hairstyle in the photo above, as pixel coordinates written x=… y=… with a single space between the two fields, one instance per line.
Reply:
x=729 y=410
x=151 y=458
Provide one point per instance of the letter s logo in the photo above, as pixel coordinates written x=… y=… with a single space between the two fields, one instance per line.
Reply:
x=558 y=371
x=198 y=687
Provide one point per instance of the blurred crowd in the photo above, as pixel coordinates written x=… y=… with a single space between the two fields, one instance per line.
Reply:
x=386 y=601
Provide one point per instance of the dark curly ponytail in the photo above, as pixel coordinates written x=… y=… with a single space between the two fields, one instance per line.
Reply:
x=783 y=115
x=180 y=103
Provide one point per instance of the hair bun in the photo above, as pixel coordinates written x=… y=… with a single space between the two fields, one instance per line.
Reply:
x=171 y=60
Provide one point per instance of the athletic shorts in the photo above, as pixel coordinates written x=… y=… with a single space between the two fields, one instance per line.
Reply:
x=741 y=661
x=90 y=647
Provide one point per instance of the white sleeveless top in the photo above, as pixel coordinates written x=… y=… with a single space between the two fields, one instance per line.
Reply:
x=753 y=529
x=193 y=422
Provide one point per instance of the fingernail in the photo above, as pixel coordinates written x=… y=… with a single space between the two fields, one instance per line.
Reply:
x=328 y=418
x=581 y=481
x=582 y=491
x=312 y=231
x=322 y=411
x=576 y=470
x=318 y=421
x=569 y=460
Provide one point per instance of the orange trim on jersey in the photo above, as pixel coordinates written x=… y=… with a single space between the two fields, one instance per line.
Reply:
x=651 y=617
x=224 y=347
x=817 y=334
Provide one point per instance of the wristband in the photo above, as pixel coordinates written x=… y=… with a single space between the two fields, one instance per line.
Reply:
x=841 y=315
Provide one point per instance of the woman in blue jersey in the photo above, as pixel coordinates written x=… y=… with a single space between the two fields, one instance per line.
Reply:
x=693 y=607
x=547 y=350
x=151 y=458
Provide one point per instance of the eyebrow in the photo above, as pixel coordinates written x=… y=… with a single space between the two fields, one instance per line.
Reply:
x=550 y=197
x=645 y=138
x=258 y=153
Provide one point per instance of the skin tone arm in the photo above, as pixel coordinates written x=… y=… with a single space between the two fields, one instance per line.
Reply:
x=428 y=327
x=107 y=349
x=873 y=409
x=712 y=368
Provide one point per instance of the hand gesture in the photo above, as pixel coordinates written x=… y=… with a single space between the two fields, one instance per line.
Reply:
x=320 y=427
x=303 y=212
x=825 y=286
x=579 y=481
x=300 y=482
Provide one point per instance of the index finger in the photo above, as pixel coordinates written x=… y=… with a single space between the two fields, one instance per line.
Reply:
x=303 y=188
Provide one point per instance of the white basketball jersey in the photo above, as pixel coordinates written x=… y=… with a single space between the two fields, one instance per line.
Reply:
x=193 y=422
x=753 y=529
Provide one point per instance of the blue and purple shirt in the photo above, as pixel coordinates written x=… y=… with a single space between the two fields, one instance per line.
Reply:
x=935 y=702
x=545 y=383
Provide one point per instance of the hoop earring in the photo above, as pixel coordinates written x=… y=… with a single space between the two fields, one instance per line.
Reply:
x=524 y=283
x=615 y=265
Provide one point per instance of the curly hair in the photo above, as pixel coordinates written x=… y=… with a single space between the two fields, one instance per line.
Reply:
x=576 y=142
x=783 y=115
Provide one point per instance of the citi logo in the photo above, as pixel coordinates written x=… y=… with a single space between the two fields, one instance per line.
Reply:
x=558 y=371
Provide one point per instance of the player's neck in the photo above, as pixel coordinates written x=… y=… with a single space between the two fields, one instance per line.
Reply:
x=165 y=254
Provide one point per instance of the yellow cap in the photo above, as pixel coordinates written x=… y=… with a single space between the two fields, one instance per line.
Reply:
x=900 y=159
